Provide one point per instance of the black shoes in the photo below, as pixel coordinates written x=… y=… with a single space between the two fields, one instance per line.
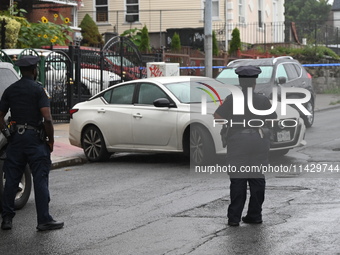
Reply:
x=233 y=224
x=6 y=224
x=248 y=220
x=50 y=225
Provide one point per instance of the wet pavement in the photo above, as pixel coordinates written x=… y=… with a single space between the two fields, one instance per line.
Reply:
x=65 y=154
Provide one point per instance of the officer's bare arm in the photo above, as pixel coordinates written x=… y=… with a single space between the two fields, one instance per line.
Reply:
x=48 y=123
x=2 y=120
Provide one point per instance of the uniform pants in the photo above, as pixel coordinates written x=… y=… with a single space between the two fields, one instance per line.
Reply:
x=247 y=151
x=22 y=149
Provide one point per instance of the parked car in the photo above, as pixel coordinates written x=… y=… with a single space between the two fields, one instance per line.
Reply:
x=163 y=114
x=131 y=71
x=8 y=76
x=280 y=71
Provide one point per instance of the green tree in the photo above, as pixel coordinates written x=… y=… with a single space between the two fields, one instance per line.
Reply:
x=90 y=32
x=144 y=40
x=235 y=42
x=176 y=42
x=307 y=10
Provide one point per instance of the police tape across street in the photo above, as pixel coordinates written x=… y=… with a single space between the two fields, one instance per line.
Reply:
x=212 y=169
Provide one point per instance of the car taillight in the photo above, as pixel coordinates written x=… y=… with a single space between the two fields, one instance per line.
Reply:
x=72 y=111
x=309 y=76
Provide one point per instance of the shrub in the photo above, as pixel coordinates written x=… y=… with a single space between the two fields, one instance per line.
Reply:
x=12 y=31
x=215 y=44
x=90 y=32
x=235 y=42
x=44 y=33
x=144 y=40
x=176 y=42
x=134 y=34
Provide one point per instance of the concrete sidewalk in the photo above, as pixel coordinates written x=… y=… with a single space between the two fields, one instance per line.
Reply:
x=65 y=154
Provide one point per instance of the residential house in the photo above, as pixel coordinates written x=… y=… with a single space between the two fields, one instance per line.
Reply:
x=250 y=16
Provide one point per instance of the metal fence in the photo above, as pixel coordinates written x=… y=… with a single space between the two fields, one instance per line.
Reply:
x=159 y=22
x=300 y=33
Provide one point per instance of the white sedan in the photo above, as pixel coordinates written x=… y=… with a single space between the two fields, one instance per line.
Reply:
x=164 y=114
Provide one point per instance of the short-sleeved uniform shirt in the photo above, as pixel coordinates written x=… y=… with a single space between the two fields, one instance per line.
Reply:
x=260 y=102
x=24 y=99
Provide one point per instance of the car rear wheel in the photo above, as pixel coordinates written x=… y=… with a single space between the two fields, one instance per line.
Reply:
x=309 y=119
x=24 y=189
x=94 y=145
x=202 y=150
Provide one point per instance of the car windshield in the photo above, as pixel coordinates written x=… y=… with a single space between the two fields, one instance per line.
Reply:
x=193 y=90
x=117 y=61
x=7 y=78
x=229 y=76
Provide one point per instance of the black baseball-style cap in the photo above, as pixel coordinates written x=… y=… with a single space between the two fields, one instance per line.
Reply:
x=248 y=71
x=26 y=61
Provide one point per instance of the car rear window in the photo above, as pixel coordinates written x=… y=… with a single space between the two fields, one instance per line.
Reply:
x=7 y=78
x=229 y=76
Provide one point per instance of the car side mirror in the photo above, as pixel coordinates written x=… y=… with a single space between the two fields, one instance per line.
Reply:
x=163 y=102
x=281 y=80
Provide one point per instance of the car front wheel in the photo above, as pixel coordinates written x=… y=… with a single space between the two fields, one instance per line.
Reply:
x=309 y=119
x=202 y=150
x=94 y=145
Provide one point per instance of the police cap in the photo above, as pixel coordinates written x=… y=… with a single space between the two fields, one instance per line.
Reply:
x=248 y=71
x=26 y=61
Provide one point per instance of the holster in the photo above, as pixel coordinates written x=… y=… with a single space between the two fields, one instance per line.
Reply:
x=42 y=134
x=224 y=135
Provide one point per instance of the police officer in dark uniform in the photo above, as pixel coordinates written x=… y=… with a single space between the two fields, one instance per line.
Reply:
x=30 y=117
x=247 y=145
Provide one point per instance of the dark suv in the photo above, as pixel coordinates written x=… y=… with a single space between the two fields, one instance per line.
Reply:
x=276 y=72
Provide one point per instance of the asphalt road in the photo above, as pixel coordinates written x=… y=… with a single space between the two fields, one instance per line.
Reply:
x=154 y=204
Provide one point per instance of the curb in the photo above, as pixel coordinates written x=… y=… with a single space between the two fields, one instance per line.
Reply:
x=328 y=108
x=68 y=162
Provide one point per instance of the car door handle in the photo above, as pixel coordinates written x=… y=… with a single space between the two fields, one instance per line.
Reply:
x=137 y=115
x=101 y=110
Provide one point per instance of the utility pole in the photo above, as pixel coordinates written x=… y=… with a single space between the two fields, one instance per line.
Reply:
x=208 y=37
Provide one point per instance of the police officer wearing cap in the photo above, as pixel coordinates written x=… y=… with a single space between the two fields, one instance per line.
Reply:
x=29 y=106
x=247 y=145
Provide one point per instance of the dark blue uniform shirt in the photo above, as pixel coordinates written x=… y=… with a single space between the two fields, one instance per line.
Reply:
x=24 y=98
x=260 y=102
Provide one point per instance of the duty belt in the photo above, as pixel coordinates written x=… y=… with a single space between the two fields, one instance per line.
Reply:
x=22 y=128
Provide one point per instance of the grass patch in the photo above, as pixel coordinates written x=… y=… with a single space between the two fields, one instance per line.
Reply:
x=332 y=91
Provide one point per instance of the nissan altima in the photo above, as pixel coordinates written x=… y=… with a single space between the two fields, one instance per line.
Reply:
x=165 y=114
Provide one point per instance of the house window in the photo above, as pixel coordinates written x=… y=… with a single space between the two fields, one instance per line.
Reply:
x=132 y=11
x=215 y=4
x=260 y=13
x=241 y=14
x=101 y=11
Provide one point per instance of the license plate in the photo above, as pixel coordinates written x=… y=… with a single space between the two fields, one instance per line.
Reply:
x=283 y=136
